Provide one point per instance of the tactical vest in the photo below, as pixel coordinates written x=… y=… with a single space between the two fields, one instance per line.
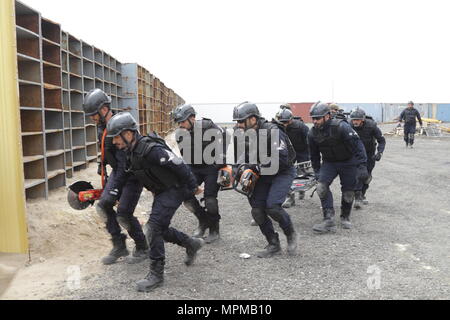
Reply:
x=297 y=137
x=205 y=125
x=410 y=115
x=365 y=132
x=292 y=155
x=154 y=177
x=330 y=144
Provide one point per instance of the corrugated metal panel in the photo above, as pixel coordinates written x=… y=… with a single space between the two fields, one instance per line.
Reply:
x=130 y=89
x=13 y=232
x=302 y=110
x=375 y=110
x=391 y=111
x=443 y=112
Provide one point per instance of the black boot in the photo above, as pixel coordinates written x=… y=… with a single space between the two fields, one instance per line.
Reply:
x=358 y=200
x=214 y=233
x=192 y=246
x=364 y=200
x=140 y=253
x=201 y=229
x=328 y=224
x=272 y=248
x=290 y=200
x=345 y=218
x=200 y=213
x=119 y=250
x=154 y=279
x=291 y=237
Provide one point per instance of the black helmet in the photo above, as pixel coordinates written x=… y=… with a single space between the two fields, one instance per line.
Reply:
x=319 y=110
x=411 y=102
x=183 y=112
x=119 y=123
x=286 y=106
x=245 y=110
x=358 y=114
x=284 y=115
x=94 y=100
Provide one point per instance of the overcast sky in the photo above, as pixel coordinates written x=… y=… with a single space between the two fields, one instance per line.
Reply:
x=273 y=51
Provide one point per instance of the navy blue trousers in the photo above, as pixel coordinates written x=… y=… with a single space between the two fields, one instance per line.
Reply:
x=129 y=196
x=270 y=192
x=329 y=171
x=164 y=206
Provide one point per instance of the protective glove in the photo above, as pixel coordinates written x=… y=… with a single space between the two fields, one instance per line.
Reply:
x=377 y=156
x=361 y=172
x=110 y=198
x=99 y=169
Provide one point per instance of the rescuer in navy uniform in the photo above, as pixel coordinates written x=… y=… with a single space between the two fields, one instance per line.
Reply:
x=409 y=115
x=342 y=153
x=270 y=190
x=370 y=135
x=121 y=186
x=169 y=179
x=184 y=116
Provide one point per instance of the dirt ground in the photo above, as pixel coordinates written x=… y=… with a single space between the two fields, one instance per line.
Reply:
x=399 y=247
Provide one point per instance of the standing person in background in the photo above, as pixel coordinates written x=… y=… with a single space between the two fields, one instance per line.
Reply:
x=409 y=115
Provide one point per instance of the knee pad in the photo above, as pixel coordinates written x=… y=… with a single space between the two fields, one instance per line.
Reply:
x=322 y=190
x=212 y=205
x=348 y=196
x=101 y=212
x=369 y=179
x=276 y=213
x=124 y=222
x=259 y=215
x=411 y=136
x=192 y=205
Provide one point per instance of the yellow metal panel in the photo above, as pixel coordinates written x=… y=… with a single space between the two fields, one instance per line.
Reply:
x=13 y=230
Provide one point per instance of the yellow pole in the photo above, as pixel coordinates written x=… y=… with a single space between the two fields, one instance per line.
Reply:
x=13 y=229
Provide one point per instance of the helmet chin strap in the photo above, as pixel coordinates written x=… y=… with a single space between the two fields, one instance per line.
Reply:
x=103 y=118
x=129 y=144
x=190 y=123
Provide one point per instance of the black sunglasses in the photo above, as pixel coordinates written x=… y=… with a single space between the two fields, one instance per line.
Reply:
x=241 y=121
x=317 y=118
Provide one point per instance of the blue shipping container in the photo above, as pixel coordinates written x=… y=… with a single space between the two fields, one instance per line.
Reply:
x=443 y=112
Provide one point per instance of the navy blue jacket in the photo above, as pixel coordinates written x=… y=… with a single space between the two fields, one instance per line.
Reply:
x=160 y=156
x=409 y=115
